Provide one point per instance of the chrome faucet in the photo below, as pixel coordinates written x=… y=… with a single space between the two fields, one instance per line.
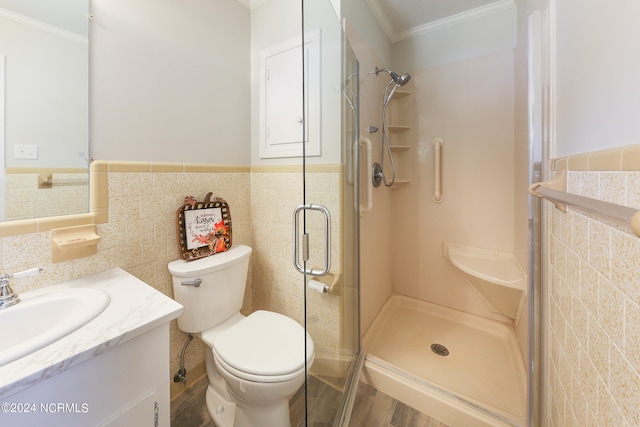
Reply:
x=7 y=296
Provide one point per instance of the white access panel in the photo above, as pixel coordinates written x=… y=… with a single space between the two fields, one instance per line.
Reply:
x=283 y=109
x=290 y=98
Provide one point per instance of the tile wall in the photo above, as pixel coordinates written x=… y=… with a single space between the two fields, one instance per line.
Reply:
x=277 y=286
x=24 y=199
x=593 y=298
x=140 y=235
x=140 y=238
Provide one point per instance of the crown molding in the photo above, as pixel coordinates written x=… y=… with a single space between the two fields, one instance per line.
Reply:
x=458 y=18
x=250 y=4
x=42 y=26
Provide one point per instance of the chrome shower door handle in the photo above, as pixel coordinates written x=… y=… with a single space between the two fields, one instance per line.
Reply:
x=305 y=241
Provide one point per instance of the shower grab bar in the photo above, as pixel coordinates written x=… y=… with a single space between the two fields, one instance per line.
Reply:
x=351 y=152
x=437 y=171
x=369 y=182
x=554 y=190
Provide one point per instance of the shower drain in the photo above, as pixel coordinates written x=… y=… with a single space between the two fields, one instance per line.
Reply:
x=439 y=349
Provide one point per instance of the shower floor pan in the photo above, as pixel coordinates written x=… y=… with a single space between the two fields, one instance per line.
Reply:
x=456 y=367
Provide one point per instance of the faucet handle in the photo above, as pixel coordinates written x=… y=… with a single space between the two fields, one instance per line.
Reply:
x=4 y=277
x=7 y=296
x=29 y=272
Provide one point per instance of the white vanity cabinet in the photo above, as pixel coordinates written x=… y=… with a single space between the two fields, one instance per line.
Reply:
x=126 y=386
x=112 y=372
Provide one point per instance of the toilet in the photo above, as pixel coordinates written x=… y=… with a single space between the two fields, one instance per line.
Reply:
x=255 y=363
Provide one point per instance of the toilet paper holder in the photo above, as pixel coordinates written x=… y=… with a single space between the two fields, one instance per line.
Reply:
x=323 y=284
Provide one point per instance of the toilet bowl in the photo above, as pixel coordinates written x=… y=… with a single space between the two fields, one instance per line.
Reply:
x=254 y=363
x=263 y=363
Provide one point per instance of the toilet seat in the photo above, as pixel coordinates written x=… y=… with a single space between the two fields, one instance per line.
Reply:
x=263 y=347
x=244 y=376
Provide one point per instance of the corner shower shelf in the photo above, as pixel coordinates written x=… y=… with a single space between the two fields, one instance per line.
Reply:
x=496 y=276
x=401 y=94
x=400 y=135
x=398 y=128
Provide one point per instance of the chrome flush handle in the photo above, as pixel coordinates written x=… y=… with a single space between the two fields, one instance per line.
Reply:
x=195 y=283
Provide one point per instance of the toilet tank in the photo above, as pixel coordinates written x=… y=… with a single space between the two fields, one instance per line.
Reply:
x=221 y=292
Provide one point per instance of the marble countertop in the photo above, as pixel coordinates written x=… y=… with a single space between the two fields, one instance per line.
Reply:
x=135 y=308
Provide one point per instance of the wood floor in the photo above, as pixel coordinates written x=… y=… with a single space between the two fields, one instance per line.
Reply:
x=189 y=409
x=371 y=408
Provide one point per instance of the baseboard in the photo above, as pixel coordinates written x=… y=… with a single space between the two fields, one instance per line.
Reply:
x=194 y=375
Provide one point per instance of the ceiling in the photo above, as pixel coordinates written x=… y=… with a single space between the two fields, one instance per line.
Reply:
x=400 y=19
x=403 y=19
x=70 y=15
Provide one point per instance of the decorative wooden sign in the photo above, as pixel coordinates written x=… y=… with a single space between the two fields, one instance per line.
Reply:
x=203 y=228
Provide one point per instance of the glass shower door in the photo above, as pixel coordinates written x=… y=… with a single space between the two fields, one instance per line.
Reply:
x=329 y=216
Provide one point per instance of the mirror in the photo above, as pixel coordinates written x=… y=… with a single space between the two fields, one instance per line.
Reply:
x=44 y=108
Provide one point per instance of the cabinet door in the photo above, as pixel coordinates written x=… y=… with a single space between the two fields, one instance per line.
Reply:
x=109 y=386
x=151 y=410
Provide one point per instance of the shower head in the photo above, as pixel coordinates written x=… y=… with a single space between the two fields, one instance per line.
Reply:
x=399 y=80
x=396 y=81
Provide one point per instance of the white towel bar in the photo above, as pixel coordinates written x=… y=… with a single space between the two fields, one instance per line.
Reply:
x=50 y=181
x=553 y=191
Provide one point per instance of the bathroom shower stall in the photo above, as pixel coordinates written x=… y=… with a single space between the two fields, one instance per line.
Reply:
x=424 y=288
x=440 y=263
x=447 y=273
x=443 y=303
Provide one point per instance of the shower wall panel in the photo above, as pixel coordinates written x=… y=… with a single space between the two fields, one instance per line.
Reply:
x=470 y=105
x=376 y=226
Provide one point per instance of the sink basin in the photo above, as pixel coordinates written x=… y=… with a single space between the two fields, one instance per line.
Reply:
x=44 y=316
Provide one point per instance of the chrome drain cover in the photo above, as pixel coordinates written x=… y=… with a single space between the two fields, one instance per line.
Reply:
x=439 y=349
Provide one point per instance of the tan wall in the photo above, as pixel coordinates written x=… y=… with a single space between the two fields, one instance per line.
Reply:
x=140 y=238
x=592 y=335
x=593 y=299
x=140 y=235
x=24 y=199
x=275 y=192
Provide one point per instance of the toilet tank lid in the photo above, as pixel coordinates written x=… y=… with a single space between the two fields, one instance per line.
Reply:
x=210 y=264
